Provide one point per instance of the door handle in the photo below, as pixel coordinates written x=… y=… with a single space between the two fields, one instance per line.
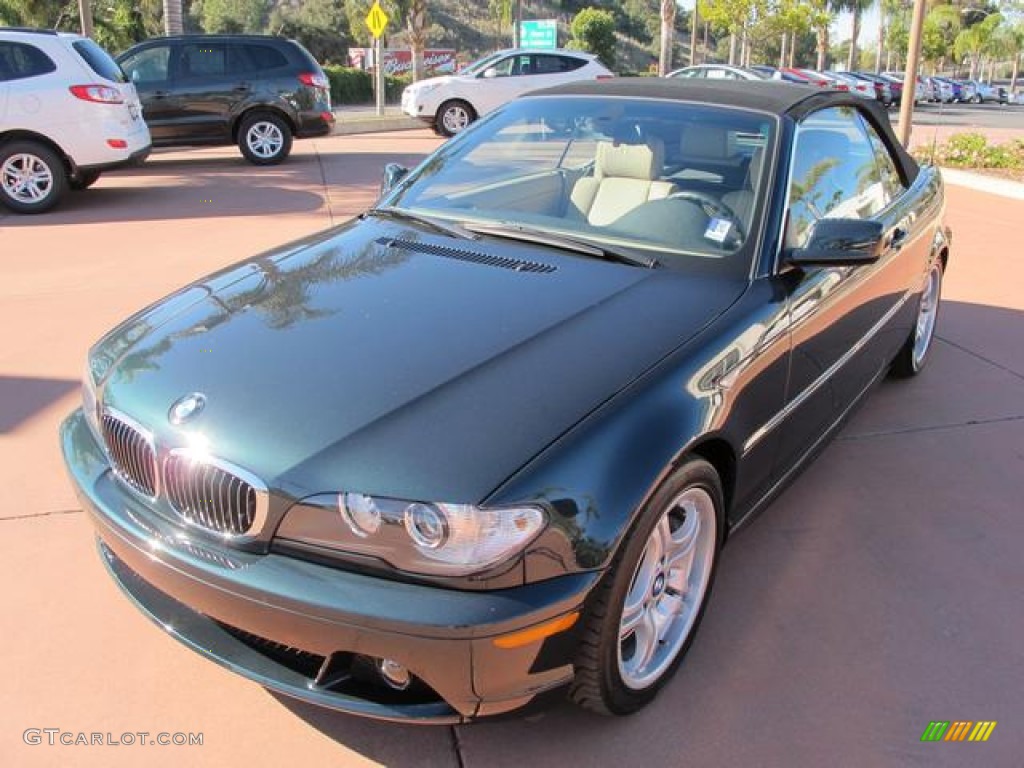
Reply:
x=161 y=94
x=242 y=87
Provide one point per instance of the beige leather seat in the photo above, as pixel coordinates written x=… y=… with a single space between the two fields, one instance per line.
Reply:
x=625 y=176
x=741 y=202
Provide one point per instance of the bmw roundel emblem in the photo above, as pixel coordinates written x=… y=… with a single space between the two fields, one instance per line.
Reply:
x=186 y=408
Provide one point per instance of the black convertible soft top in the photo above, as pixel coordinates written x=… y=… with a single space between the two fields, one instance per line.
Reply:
x=773 y=96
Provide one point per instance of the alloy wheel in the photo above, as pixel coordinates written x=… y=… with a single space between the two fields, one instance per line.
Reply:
x=667 y=588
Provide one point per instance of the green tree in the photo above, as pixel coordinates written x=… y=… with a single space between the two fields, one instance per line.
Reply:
x=593 y=30
x=320 y=25
x=501 y=14
x=973 y=42
x=231 y=15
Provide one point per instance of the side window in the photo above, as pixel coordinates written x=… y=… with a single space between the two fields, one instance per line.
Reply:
x=891 y=181
x=549 y=65
x=504 y=67
x=148 y=66
x=719 y=74
x=571 y=63
x=19 y=60
x=835 y=174
x=204 y=60
x=263 y=57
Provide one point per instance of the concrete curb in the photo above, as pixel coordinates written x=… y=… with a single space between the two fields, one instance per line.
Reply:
x=982 y=183
x=376 y=125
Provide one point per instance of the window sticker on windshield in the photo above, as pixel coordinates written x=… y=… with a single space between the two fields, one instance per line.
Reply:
x=718 y=229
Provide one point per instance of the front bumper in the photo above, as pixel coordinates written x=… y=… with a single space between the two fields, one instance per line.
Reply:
x=300 y=628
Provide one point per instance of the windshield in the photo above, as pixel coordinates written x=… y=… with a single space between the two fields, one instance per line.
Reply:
x=677 y=183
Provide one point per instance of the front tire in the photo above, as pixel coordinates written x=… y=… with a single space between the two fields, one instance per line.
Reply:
x=913 y=357
x=264 y=138
x=454 y=117
x=645 y=614
x=33 y=178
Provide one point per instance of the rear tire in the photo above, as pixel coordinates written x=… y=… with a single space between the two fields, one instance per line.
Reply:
x=33 y=178
x=264 y=138
x=644 y=615
x=913 y=357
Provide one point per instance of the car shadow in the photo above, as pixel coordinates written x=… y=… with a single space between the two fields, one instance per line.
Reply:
x=22 y=397
x=335 y=183
x=874 y=593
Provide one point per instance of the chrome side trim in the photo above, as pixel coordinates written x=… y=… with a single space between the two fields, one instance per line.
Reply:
x=760 y=433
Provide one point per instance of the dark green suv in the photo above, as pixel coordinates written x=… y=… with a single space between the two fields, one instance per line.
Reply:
x=254 y=90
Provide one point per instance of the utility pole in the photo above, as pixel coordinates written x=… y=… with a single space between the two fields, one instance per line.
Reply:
x=517 y=24
x=910 y=75
x=85 y=13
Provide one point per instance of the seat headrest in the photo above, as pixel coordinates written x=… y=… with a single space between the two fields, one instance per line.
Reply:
x=630 y=161
x=756 y=164
x=704 y=140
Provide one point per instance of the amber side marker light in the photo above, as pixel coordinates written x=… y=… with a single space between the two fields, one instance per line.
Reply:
x=538 y=632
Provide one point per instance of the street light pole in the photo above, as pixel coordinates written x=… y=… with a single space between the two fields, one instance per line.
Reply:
x=910 y=75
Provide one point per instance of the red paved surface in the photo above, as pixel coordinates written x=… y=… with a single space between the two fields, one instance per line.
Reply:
x=882 y=591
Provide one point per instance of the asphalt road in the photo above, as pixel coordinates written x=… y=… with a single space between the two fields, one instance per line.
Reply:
x=880 y=592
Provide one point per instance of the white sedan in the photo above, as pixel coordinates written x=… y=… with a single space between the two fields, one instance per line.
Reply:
x=452 y=102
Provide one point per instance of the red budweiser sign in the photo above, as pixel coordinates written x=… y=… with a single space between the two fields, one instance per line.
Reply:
x=436 y=61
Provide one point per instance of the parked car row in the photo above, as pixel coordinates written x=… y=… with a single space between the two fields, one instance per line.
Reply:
x=69 y=111
x=885 y=87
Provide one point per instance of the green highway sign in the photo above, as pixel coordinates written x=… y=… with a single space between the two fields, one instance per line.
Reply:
x=541 y=33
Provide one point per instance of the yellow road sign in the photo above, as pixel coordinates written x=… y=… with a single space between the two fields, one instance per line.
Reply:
x=377 y=20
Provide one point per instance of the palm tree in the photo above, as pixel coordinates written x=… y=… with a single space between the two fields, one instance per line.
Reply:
x=172 y=17
x=856 y=8
x=668 y=32
x=416 y=24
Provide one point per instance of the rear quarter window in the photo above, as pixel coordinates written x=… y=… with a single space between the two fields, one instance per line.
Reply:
x=262 y=57
x=98 y=60
x=20 y=60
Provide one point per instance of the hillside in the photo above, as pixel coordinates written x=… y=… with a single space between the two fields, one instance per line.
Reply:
x=470 y=29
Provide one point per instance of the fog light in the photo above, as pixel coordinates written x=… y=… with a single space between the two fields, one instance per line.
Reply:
x=427 y=525
x=360 y=513
x=394 y=674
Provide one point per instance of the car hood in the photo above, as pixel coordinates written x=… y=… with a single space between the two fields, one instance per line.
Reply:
x=389 y=360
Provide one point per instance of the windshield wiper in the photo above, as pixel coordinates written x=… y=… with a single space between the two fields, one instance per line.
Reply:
x=530 y=235
x=403 y=214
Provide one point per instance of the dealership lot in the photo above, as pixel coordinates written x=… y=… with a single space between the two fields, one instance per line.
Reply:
x=879 y=593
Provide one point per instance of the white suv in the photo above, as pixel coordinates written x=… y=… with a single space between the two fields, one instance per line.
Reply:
x=66 y=115
x=452 y=102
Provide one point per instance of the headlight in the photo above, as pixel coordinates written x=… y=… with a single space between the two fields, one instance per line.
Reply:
x=413 y=536
x=90 y=405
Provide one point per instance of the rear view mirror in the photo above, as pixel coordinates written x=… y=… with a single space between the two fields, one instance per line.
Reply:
x=840 y=243
x=393 y=173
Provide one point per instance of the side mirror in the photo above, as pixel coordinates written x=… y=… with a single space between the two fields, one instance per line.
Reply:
x=840 y=243
x=490 y=73
x=393 y=173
